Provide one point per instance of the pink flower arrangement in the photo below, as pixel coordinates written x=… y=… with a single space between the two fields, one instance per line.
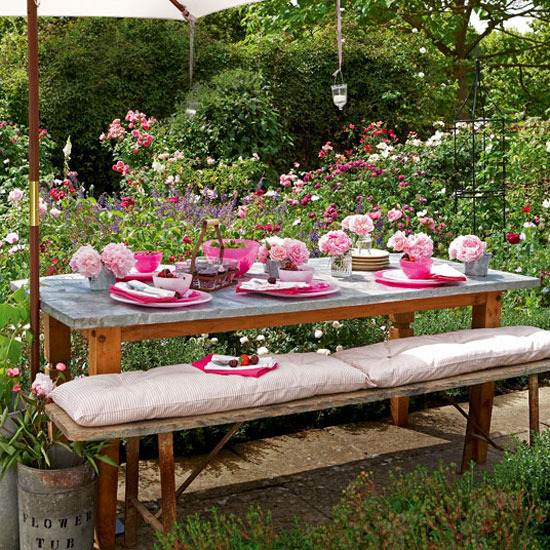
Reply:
x=417 y=246
x=118 y=259
x=467 y=248
x=86 y=261
x=115 y=257
x=290 y=253
x=335 y=243
x=360 y=224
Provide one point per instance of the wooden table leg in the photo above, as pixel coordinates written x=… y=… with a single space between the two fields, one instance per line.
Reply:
x=57 y=342
x=485 y=315
x=401 y=328
x=132 y=492
x=167 y=481
x=104 y=357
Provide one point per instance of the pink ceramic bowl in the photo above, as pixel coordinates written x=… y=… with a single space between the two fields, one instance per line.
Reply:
x=147 y=262
x=246 y=255
x=421 y=269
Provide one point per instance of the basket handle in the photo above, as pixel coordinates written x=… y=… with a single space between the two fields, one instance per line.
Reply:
x=212 y=222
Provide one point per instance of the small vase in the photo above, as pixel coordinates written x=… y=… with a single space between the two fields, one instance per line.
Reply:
x=103 y=281
x=340 y=266
x=479 y=268
x=271 y=267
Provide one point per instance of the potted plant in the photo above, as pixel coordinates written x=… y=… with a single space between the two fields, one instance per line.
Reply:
x=102 y=269
x=56 y=479
x=13 y=337
x=337 y=245
x=417 y=250
x=471 y=250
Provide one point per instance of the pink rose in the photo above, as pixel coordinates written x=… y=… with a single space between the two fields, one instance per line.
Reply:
x=297 y=251
x=13 y=373
x=467 y=248
x=419 y=246
x=263 y=254
x=118 y=259
x=242 y=212
x=16 y=388
x=11 y=238
x=86 y=261
x=278 y=253
x=397 y=241
x=15 y=195
x=394 y=214
x=61 y=367
x=335 y=243
x=361 y=224
x=346 y=221
x=375 y=215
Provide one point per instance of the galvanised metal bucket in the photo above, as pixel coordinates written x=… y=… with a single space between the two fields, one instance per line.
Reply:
x=9 y=514
x=57 y=507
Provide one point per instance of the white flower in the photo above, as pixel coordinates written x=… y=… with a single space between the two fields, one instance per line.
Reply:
x=297 y=221
x=422 y=50
x=55 y=212
x=546 y=202
x=210 y=161
x=519 y=269
x=548 y=146
x=243 y=340
x=529 y=225
x=323 y=351
x=67 y=150
x=339 y=348
x=260 y=338
x=420 y=74
x=15 y=249
x=383 y=328
x=415 y=30
x=439 y=124
x=336 y=324
x=204 y=335
x=315 y=198
x=416 y=142
x=262 y=351
x=157 y=166
x=272 y=194
x=43 y=385
x=214 y=340
x=15 y=195
x=318 y=334
x=11 y=238
x=421 y=213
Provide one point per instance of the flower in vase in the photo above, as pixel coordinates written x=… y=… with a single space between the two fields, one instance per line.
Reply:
x=86 y=261
x=297 y=251
x=397 y=241
x=335 y=243
x=278 y=253
x=118 y=259
x=361 y=224
x=467 y=248
x=419 y=246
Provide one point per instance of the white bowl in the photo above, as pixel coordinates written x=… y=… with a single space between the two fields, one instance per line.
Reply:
x=177 y=284
x=304 y=275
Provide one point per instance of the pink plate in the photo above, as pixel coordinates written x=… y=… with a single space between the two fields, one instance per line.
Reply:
x=201 y=299
x=396 y=277
x=332 y=289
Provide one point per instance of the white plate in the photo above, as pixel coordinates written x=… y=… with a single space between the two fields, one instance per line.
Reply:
x=375 y=254
x=325 y=292
x=399 y=276
x=202 y=299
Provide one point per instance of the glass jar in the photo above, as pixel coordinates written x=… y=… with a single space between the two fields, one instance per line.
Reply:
x=340 y=266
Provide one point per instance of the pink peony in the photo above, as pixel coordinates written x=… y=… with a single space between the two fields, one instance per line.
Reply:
x=297 y=251
x=263 y=254
x=375 y=215
x=467 y=248
x=394 y=214
x=278 y=253
x=13 y=373
x=346 y=222
x=335 y=243
x=419 y=246
x=43 y=385
x=86 y=261
x=15 y=195
x=118 y=259
x=397 y=241
x=361 y=224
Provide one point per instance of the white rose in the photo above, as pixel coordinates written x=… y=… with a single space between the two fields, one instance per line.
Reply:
x=260 y=338
x=339 y=348
x=422 y=50
x=262 y=351
x=318 y=334
x=214 y=340
x=336 y=324
x=244 y=339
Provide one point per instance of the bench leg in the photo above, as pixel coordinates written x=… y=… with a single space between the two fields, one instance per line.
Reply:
x=401 y=328
x=131 y=494
x=167 y=481
x=479 y=420
x=534 y=421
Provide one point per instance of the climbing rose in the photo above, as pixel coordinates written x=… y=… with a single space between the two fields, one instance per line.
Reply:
x=394 y=214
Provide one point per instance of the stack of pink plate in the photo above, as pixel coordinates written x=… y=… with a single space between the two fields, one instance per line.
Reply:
x=441 y=275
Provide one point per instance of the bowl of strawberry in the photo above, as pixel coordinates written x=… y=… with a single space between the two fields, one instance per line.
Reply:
x=167 y=280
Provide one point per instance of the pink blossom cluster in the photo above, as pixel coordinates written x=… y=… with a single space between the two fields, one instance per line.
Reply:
x=287 y=180
x=135 y=119
x=116 y=131
x=118 y=259
x=325 y=149
x=121 y=168
x=86 y=261
x=467 y=248
x=290 y=253
x=360 y=224
x=416 y=246
x=335 y=243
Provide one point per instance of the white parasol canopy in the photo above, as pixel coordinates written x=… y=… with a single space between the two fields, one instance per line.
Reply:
x=144 y=9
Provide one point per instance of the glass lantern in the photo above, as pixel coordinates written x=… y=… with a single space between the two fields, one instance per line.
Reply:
x=340 y=94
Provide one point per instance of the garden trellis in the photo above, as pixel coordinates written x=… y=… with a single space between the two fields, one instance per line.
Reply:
x=32 y=9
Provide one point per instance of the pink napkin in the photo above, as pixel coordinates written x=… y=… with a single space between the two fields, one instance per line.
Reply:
x=251 y=373
x=290 y=291
x=447 y=273
x=140 y=299
x=404 y=284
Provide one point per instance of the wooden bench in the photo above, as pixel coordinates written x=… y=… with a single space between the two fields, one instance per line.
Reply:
x=475 y=444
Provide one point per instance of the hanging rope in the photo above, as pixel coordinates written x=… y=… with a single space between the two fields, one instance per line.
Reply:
x=192 y=21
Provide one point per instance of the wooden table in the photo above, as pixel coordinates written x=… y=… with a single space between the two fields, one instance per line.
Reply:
x=68 y=304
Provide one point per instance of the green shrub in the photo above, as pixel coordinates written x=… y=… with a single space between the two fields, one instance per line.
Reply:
x=505 y=509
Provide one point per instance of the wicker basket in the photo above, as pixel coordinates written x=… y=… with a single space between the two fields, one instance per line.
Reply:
x=221 y=278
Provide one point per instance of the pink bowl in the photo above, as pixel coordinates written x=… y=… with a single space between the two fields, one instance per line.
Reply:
x=303 y=275
x=246 y=256
x=421 y=269
x=147 y=262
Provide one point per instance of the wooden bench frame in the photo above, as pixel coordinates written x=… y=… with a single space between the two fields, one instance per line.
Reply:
x=479 y=383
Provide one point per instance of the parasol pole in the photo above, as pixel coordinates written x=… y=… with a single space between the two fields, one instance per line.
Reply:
x=34 y=185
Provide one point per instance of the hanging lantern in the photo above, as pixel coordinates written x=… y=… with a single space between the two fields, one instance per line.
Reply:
x=191 y=108
x=339 y=88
